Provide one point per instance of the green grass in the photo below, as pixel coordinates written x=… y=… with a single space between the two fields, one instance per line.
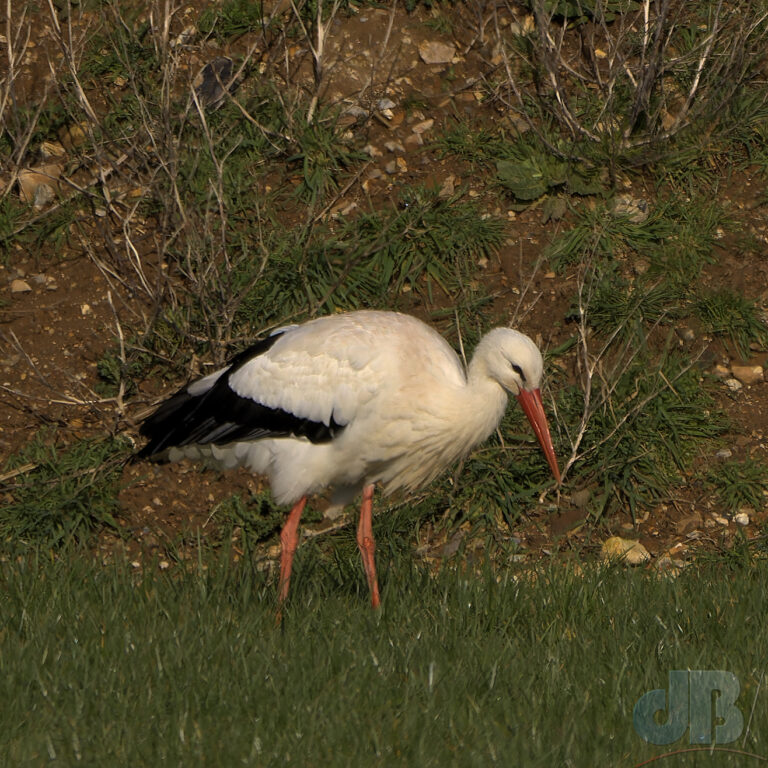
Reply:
x=735 y=317
x=109 y=666
x=232 y=19
x=739 y=483
x=644 y=431
x=61 y=493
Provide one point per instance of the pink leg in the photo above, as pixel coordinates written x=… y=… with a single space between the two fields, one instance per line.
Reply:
x=289 y=539
x=367 y=545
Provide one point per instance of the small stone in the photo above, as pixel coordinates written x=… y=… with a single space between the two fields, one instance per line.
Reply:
x=20 y=286
x=186 y=36
x=669 y=566
x=73 y=135
x=164 y=565
x=630 y=552
x=741 y=518
x=447 y=187
x=52 y=149
x=423 y=126
x=372 y=151
x=334 y=512
x=733 y=384
x=748 y=374
x=581 y=498
x=634 y=209
x=435 y=52
x=723 y=454
x=720 y=371
x=525 y=28
x=395 y=147
x=668 y=120
x=686 y=334
x=85 y=310
x=720 y=520
x=688 y=524
x=414 y=140
x=39 y=185
x=385 y=104
x=391 y=168
x=44 y=194
x=356 y=111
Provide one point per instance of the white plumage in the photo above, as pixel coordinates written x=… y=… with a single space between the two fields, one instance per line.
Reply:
x=348 y=401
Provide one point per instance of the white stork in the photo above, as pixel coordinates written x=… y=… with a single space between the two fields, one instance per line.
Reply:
x=348 y=401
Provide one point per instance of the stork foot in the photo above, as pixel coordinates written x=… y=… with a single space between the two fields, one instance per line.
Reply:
x=367 y=545
x=289 y=541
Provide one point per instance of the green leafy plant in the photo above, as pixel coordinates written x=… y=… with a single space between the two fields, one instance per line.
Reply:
x=739 y=483
x=61 y=493
x=728 y=314
x=231 y=19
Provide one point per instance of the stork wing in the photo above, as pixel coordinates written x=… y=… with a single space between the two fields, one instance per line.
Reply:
x=297 y=382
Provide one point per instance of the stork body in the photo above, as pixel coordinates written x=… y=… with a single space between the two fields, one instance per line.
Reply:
x=348 y=401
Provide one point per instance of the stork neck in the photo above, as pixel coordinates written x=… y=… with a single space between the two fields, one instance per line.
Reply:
x=485 y=400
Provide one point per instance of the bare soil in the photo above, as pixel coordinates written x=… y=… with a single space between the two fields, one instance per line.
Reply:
x=53 y=335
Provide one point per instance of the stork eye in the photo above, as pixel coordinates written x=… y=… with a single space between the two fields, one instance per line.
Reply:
x=518 y=370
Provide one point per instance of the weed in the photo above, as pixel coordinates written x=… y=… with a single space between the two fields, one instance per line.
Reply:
x=729 y=314
x=257 y=518
x=232 y=18
x=61 y=494
x=739 y=483
x=647 y=421
x=323 y=154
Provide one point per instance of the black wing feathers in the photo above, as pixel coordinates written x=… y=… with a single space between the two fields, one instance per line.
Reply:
x=221 y=416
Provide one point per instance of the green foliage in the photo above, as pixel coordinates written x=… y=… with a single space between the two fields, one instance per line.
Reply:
x=631 y=308
x=726 y=313
x=676 y=238
x=62 y=493
x=231 y=19
x=475 y=664
x=644 y=431
x=533 y=173
x=474 y=143
x=580 y=11
x=430 y=243
x=323 y=154
x=123 y=51
x=11 y=212
x=113 y=371
x=739 y=483
x=257 y=517
x=525 y=166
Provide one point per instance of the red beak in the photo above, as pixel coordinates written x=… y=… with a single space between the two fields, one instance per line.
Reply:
x=531 y=404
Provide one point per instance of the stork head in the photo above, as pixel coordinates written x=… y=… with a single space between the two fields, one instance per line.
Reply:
x=515 y=362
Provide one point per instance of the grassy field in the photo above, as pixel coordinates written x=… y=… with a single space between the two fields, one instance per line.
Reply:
x=103 y=666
